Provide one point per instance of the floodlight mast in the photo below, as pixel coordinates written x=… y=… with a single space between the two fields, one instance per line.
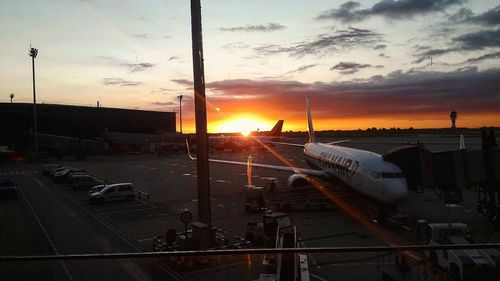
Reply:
x=180 y=112
x=33 y=53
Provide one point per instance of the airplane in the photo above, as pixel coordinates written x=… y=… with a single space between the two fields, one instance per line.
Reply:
x=363 y=171
x=239 y=142
x=274 y=133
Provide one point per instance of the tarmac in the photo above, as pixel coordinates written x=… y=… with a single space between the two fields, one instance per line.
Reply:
x=170 y=181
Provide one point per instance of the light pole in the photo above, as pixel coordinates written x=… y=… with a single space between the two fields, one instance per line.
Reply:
x=180 y=111
x=33 y=53
x=11 y=97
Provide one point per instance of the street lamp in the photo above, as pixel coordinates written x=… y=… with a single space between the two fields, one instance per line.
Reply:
x=11 y=97
x=33 y=53
x=180 y=111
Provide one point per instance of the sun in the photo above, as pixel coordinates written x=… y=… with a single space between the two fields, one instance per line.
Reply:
x=245 y=126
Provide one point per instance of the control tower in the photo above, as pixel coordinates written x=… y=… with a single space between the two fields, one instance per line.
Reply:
x=453 y=118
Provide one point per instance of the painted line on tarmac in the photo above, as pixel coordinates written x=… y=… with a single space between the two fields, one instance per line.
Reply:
x=124 y=211
x=44 y=231
x=122 y=235
x=145 y=202
x=145 y=239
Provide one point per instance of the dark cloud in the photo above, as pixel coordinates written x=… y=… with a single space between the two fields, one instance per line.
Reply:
x=325 y=43
x=461 y=15
x=173 y=58
x=491 y=17
x=479 y=40
x=135 y=67
x=473 y=41
x=398 y=94
x=302 y=68
x=494 y=55
x=184 y=82
x=382 y=55
x=258 y=28
x=344 y=13
x=349 y=67
x=393 y=9
x=119 y=82
x=379 y=47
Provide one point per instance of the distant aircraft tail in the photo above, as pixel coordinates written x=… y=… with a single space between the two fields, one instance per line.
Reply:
x=312 y=136
x=276 y=130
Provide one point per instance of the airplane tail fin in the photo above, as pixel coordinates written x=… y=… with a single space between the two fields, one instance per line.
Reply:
x=276 y=130
x=312 y=136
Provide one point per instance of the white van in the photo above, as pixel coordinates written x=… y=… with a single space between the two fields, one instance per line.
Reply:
x=117 y=191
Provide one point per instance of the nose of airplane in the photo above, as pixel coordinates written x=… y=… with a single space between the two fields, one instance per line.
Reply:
x=399 y=191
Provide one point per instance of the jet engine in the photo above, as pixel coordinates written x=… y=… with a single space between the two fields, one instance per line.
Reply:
x=297 y=180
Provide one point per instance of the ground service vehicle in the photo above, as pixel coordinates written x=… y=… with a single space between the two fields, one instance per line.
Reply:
x=472 y=264
x=265 y=232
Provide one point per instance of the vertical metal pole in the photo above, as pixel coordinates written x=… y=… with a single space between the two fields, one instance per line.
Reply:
x=204 y=214
x=180 y=112
x=35 y=127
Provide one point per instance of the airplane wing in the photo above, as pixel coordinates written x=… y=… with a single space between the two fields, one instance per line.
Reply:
x=301 y=145
x=336 y=142
x=285 y=143
x=311 y=172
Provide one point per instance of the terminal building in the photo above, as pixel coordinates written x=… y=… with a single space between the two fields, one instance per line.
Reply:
x=67 y=123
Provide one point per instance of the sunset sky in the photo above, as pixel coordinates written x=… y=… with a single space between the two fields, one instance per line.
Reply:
x=362 y=64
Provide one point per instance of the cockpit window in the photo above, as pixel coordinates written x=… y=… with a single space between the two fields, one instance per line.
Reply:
x=392 y=175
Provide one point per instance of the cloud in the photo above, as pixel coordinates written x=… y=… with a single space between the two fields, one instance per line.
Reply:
x=325 y=43
x=396 y=94
x=119 y=82
x=160 y=103
x=349 y=67
x=465 y=15
x=135 y=67
x=461 y=15
x=173 y=58
x=379 y=47
x=235 y=46
x=473 y=41
x=490 y=17
x=184 y=82
x=479 y=40
x=255 y=28
x=141 y=36
x=302 y=68
x=392 y=9
x=494 y=55
x=382 y=55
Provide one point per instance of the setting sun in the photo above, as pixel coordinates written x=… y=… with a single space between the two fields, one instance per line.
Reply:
x=243 y=125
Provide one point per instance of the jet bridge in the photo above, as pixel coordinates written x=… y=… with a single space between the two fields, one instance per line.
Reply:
x=450 y=172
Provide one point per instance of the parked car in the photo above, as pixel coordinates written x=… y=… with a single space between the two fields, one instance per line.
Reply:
x=48 y=168
x=96 y=188
x=112 y=192
x=72 y=172
x=52 y=172
x=8 y=187
x=85 y=181
x=71 y=176
x=61 y=176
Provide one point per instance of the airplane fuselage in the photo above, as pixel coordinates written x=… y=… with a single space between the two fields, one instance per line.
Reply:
x=364 y=171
